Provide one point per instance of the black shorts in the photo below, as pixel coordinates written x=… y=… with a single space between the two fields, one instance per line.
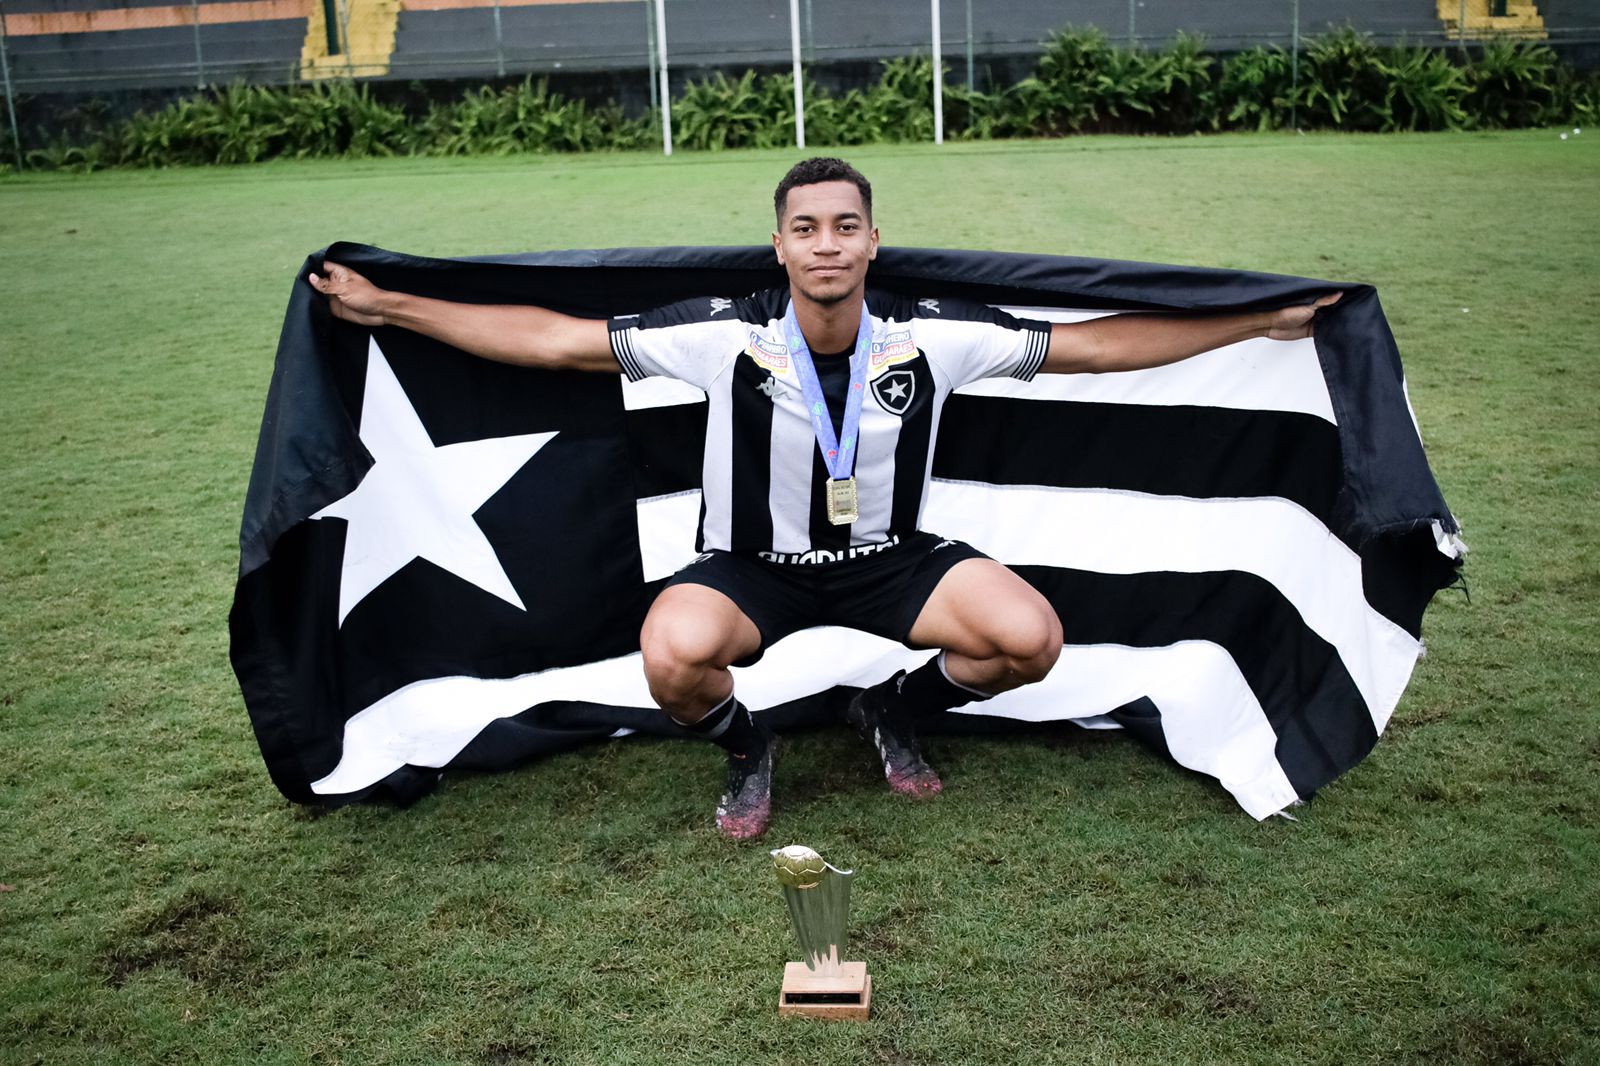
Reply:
x=877 y=590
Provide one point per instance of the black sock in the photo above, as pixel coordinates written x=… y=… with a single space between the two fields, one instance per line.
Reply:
x=929 y=690
x=730 y=726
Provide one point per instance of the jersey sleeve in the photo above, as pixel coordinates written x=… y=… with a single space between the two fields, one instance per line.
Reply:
x=681 y=340
x=970 y=341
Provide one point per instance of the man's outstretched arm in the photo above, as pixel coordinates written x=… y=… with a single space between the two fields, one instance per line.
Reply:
x=1139 y=341
x=506 y=333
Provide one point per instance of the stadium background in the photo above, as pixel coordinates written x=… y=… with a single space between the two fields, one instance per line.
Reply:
x=143 y=51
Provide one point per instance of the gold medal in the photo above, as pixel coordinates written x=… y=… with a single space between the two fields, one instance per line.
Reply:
x=843 y=508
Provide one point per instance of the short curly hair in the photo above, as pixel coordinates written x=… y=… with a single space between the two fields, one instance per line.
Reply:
x=816 y=170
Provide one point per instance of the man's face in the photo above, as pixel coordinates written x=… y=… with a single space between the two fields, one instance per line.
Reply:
x=826 y=241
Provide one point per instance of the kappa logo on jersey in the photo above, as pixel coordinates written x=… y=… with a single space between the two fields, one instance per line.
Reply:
x=718 y=304
x=932 y=306
x=770 y=386
x=895 y=390
x=895 y=347
x=774 y=355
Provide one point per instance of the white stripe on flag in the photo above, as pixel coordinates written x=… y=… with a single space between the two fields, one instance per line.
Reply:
x=1128 y=533
x=658 y=392
x=666 y=532
x=1211 y=719
x=1254 y=375
x=427 y=723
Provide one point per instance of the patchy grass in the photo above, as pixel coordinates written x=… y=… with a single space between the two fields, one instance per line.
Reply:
x=1070 y=898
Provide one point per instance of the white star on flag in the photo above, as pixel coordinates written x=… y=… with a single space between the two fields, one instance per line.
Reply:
x=417 y=501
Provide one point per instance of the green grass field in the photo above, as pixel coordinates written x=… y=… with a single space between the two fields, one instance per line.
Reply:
x=1070 y=898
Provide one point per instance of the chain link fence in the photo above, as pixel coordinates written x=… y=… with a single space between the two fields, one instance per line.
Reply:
x=641 y=52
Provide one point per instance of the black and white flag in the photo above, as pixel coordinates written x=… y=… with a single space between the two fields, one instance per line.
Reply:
x=444 y=562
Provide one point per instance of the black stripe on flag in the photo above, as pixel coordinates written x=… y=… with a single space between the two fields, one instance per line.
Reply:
x=667 y=444
x=1245 y=615
x=1169 y=451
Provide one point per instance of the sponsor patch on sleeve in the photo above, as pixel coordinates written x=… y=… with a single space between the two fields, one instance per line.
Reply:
x=774 y=355
x=896 y=347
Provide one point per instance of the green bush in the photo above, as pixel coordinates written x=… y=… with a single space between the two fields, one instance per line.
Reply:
x=74 y=158
x=1511 y=85
x=758 y=111
x=721 y=112
x=1255 y=90
x=1575 y=99
x=1185 y=97
x=1423 y=90
x=897 y=107
x=525 y=117
x=1349 y=82
x=1340 y=81
x=1083 y=83
x=249 y=123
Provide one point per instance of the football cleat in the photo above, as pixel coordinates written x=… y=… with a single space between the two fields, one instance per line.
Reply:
x=877 y=714
x=745 y=810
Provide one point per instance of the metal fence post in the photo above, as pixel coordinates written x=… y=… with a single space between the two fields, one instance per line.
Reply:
x=938 y=78
x=1294 y=66
x=650 y=45
x=666 y=91
x=499 y=44
x=1132 y=28
x=199 y=57
x=799 y=93
x=11 y=96
x=1461 y=27
x=344 y=28
x=970 y=79
x=811 y=37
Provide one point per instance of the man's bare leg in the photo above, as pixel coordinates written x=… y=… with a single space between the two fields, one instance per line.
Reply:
x=690 y=638
x=995 y=633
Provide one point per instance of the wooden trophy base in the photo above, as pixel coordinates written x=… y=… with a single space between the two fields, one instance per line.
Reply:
x=844 y=996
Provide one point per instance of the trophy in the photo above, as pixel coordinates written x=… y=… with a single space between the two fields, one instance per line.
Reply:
x=819 y=902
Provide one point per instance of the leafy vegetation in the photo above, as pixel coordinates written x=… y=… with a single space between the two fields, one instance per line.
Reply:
x=1084 y=83
x=1256 y=90
x=1512 y=86
x=527 y=117
x=748 y=112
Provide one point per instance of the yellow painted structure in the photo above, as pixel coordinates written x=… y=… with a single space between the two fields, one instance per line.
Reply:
x=367 y=34
x=1521 y=20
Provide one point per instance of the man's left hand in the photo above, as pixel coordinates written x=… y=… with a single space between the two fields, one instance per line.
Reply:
x=1294 y=323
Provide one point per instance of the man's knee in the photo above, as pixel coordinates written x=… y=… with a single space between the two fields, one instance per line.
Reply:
x=1031 y=643
x=677 y=650
x=687 y=637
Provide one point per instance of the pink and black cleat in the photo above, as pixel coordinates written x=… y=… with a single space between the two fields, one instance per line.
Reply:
x=877 y=715
x=745 y=810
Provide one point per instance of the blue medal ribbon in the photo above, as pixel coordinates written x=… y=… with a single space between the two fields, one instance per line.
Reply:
x=838 y=453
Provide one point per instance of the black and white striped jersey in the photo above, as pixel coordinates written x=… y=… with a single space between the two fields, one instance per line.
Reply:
x=763 y=471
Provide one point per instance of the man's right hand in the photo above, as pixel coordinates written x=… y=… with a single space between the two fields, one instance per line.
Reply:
x=350 y=296
x=521 y=334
